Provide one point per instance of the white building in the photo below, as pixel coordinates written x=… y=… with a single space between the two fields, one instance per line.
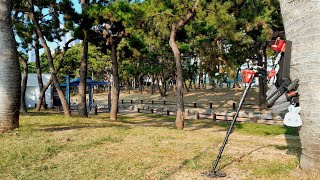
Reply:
x=66 y=38
x=31 y=56
x=33 y=91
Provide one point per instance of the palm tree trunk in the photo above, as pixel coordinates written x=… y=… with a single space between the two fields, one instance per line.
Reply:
x=115 y=90
x=83 y=76
x=23 y=107
x=10 y=76
x=302 y=25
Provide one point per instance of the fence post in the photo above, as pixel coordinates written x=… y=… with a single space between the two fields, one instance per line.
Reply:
x=141 y=101
x=95 y=109
x=214 y=118
x=194 y=105
x=151 y=111
x=138 y=110
x=131 y=101
x=121 y=101
x=168 y=112
x=152 y=102
x=234 y=106
x=197 y=115
x=210 y=105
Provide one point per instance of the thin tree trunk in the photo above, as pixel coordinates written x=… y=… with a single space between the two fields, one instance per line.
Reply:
x=115 y=90
x=179 y=124
x=140 y=84
x=10 y=76
x=83 y=76
x=38 y=67
x=302 y=25
x=23 y=107
x=200 y=74
x=53 y=72
x=44 y=89
x=152 y=84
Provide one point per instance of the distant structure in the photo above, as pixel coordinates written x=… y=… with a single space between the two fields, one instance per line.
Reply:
x=66 y=38
x=33 y=91
x=31 y=56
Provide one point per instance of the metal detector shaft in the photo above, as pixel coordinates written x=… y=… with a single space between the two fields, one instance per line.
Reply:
x=215 y=164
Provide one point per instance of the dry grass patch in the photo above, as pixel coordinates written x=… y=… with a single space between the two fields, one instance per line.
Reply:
x=49 y=146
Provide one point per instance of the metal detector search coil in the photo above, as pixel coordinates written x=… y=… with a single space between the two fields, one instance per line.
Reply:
x=248 y=75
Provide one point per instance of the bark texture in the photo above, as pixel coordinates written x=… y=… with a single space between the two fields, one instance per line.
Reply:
x=53 y=71
x=24 y=63
x=83 y=76
x=10 y=77
x=44 y=89
x=38 y=67
x=115 y=89
x=179 y=124
x=302 y=26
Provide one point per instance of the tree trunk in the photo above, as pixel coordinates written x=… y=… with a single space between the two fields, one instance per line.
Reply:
x=152 y=84
x=53 y=71
x=44 y=89
x=10 y=76
x=23 y=107
x=262 y=80
x=115 y=90
x=302 y=25
x=179 y=124
x=83 y=76
x=200 y=74
x=140 y=84
x=38 y=67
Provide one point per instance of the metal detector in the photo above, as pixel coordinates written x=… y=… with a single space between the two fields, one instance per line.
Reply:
x=248 y=78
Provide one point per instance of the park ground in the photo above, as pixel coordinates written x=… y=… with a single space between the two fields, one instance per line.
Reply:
x=145 y=146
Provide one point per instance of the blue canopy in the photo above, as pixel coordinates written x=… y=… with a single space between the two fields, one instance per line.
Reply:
x=90 y=82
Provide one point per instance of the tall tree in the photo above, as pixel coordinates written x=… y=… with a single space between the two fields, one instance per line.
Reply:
x=179 y=124
x=83 y=65
x=10 y=76
x=53 y=70
x=302 y=28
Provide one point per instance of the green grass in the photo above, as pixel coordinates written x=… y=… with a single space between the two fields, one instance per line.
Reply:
x=261 y=129
x=50 y=146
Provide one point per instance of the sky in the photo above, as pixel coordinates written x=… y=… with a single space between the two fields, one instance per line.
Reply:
x=77 y=7
x=53 y=45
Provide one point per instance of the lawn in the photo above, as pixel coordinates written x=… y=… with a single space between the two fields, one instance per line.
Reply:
x=142 y=146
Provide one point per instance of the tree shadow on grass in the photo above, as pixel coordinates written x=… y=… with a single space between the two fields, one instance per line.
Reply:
x=42 y=113
x=55 y=128
x=293 y=142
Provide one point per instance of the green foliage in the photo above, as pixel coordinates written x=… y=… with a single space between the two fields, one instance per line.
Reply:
x=223 y=34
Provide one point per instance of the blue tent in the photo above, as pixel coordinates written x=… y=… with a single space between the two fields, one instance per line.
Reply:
x=76 y=82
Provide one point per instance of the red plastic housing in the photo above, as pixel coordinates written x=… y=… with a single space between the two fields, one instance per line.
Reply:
x=247 y=75
x=279 y=45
